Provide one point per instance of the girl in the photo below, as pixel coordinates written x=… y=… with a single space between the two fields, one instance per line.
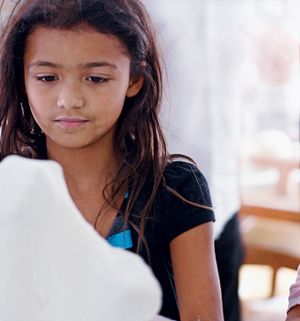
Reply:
x=81 y=84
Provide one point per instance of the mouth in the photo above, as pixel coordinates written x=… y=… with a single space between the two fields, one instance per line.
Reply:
x=70 y=122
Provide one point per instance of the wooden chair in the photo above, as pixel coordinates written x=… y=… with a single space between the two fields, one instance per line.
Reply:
x=271 y=237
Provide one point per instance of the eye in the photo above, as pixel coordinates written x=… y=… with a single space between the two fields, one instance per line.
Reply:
x=97 y=79
x=47 y=78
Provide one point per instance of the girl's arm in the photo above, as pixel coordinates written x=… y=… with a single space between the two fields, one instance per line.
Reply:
x=195 y=273
x=294 y=314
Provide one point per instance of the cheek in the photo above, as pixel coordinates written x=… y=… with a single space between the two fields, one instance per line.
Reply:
x=35 y=104
x=37 y=94
x=37 y=117
x=34 y=99
x=38 y=101
x=112 y=103
x=116 y=108
x=37 y=108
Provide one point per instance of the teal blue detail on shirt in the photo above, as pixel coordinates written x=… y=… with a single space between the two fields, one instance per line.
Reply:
x=122 y=239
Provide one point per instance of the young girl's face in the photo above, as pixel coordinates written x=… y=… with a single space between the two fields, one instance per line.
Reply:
x=76 y=82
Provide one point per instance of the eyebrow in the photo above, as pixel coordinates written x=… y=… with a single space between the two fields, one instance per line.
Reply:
x=98 y=64
x=41 y=63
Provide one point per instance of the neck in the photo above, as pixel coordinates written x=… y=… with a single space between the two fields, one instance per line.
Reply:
x=87 y=171
x=87 y=167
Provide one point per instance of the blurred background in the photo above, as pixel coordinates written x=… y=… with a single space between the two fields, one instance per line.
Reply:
x=232 y=103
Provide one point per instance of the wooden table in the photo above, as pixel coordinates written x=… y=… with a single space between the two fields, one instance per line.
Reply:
x=283 y=165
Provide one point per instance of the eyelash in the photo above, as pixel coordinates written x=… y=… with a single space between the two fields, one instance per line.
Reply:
x=93 y=79
x=47 y=78
x=97 y=79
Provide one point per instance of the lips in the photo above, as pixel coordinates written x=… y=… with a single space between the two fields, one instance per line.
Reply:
x=71 y=122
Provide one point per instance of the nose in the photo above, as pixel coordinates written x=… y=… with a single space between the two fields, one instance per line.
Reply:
x=70 y=96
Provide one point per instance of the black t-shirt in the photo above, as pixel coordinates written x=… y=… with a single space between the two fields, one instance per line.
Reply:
x=169 y=218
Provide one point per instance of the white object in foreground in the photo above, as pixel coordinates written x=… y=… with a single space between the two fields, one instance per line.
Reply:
x=161 y=318
x=53 y=265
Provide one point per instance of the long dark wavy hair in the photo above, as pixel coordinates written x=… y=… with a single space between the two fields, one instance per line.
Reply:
x=139 y=142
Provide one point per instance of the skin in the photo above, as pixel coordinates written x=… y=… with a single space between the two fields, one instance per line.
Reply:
x=294 y=314
x=76 y=83
x=196 y=276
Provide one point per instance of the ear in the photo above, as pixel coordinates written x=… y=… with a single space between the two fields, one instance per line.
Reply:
x=135 y=85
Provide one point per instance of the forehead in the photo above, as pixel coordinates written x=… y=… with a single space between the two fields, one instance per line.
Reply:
x=80 y=43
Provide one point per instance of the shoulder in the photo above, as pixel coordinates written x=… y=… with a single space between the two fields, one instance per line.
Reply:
x=181 y=166
x=186 y=201
x=187 y=179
